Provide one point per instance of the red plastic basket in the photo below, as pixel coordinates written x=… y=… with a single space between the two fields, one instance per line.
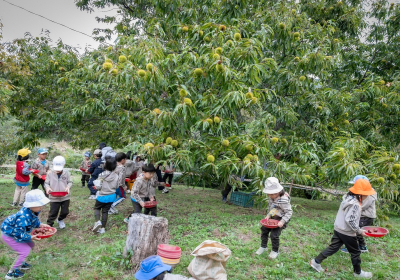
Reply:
x=168 y=255
x=271 y=223
x=82 y=169
x=150 y=204
x=375 y=231
x=168 y=185
x=58 y=194
x=34 y=232
x=34 y=171
x=43 y=177
x=169 y=251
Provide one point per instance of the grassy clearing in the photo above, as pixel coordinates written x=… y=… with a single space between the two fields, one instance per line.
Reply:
x=196 y=215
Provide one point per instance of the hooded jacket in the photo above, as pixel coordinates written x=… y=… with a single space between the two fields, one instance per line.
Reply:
x=348 y=217
x=109 y=183
x=282 y=206
x=368 y=207
x=58 y=184
x=107 y=151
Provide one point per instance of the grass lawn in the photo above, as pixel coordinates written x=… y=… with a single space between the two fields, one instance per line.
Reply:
x=196 y=215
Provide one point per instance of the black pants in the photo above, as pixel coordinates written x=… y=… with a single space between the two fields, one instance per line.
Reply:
x=160 y=178
x=138 y=209
x=60 y=209
x=36 y=182
x=85 y=178
x=168 y=176
x=274 y=234
x=225 y=192
x=337 y=241
x=363 y=223
x=104 y=208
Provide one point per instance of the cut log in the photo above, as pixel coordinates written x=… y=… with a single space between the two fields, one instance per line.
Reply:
x=145 y=232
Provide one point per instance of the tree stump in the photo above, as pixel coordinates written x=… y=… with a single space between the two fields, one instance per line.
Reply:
x=145 y=232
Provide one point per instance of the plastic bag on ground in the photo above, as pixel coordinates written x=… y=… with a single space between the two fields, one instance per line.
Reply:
x=210 y=261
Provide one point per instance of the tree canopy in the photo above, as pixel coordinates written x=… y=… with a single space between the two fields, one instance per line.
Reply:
x=308 y=92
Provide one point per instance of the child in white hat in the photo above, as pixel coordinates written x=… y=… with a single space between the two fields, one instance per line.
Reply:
x=16 y=230
x=279 y=208
x=58 y=180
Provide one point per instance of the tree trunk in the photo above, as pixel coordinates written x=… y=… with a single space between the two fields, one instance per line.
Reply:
x=145 y=232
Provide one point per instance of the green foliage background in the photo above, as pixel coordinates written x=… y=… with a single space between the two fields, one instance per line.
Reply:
x=324 y=84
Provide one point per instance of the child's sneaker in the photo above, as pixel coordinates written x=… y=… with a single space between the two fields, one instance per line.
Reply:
x=101 y=231
x=14 y=274
x=97 y=226
x=25 y=266
x=273 y=255
x=261 y=250
x=21 y=205
x=363 y=249
x=363 y=274
x=316 y=266
x=92 y=196
x=61 y=224
x=344 y=250
x=126 y=220
x=165 y=191
x=13 y=204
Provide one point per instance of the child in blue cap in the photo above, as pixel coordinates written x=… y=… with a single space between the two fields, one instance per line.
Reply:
x=368 y=214
x=43 y=165
x=152 y=268
x=84 y=168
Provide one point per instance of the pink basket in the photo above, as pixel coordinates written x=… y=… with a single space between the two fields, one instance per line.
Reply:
x=169 y=251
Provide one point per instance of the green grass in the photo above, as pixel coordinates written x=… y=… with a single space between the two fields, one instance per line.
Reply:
x=196 y=215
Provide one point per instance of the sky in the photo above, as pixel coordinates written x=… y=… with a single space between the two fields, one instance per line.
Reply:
x=16 y=22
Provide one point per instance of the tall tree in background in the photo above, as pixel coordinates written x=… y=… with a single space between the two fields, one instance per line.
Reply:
x=311 y=89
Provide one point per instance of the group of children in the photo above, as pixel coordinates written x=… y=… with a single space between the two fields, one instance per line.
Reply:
x=356 y=210
x=107 y=185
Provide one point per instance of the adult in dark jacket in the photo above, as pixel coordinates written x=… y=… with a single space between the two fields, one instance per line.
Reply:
x=96 y=168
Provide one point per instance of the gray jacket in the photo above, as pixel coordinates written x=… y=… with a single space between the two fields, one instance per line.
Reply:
x=43 y=169
x=282 y=206
x=129 y=167
x=368 y=207
x=348 y=217
x=108 y=183
x=143 y=188
x=120 y=171
x=58 y=184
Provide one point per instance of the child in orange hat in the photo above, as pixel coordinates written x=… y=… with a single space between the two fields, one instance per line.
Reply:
x=346 y=228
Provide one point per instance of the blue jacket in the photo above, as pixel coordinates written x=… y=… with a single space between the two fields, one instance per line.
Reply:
x=96 y=168
x=20 y=225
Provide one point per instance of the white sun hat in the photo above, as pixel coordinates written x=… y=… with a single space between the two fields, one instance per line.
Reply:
x=272 y=186
x=35 y=198
x=58 y=163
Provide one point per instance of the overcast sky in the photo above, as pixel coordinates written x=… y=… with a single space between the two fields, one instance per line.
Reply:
x=17 y=21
